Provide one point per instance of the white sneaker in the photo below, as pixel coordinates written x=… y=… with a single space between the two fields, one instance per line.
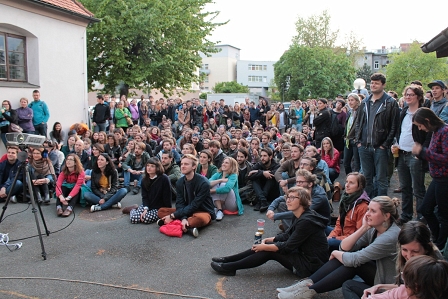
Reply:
x=303 y=293
x=219 y=215
x=298 y=285
x=13 y=199
x=95 y=208
x=117 y=205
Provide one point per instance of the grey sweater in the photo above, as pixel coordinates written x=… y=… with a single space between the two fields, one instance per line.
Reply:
x=382 y=249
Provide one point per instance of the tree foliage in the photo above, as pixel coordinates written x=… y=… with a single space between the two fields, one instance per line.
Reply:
x=315 y=32
x=148 y=44
x=413 y=64
x=230 y=87
x=314 y=72
x=365 y=72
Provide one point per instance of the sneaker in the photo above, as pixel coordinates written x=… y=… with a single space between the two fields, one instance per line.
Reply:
x=193 y=231
x=160 y=222
x=219 y=215
x=303 y=293
x=136 y=190
x=117 y=205
x=95 y=208
x=298 y=285
x=13 y=199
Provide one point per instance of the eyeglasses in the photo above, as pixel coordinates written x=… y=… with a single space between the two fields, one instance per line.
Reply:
x=301 y=182
x=291 y=198
x=409 y=95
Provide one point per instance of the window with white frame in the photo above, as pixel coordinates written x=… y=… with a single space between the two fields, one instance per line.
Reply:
x=257 y=67
x=12 y=57
x=257 y=78
x=376 y=64
x=205 y=66
x=206 y=79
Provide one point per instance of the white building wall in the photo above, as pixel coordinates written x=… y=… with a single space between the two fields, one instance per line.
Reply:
x=56 y=56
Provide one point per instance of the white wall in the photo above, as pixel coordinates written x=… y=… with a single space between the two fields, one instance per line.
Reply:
x=60 y=59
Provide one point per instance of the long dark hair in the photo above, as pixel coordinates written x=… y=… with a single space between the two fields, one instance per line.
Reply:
x=110 y=167
x=146 y=181
x=428 y=118
x=57 y=134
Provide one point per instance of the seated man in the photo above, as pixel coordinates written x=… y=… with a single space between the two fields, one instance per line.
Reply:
x=319 y=201
x=8 y=171
x=134 y=167
x=263 y=181
x=172 y=170
x=194 y=204
x=81 y=153
x=218 y=155
x=167 y=145
x=286 y=173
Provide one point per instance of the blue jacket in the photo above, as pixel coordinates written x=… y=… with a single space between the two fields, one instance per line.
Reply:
x=41 y=114
x=232 y=184
x=11 y=175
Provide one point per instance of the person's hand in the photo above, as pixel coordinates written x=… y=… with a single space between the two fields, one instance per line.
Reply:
x=259 y=247
x=3 y=192
x=270 y=214
x=102 y=201
x=336 y=254
x=142 y=216
x=64 y=201
x=252 y=172
x=268 y=175
x=94 y=124
x=369 y=291
x=255 y=152
x=364 y=222
x=283 y=183
x=167 y=219
x=416 y=148
x=224 y=180
x=185 y=225
x=87 y=178
x=267 y=240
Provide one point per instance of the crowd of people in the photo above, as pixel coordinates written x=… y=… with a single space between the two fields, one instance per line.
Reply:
x=212 y=158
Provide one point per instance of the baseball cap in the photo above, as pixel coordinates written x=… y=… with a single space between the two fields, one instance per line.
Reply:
x=437 y=82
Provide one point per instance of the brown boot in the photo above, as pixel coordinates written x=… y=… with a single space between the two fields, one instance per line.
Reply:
x=67 y=213
x=59 y=212
x=127 y=210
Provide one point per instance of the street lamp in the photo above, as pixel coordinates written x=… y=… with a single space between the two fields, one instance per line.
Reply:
x=359 y=84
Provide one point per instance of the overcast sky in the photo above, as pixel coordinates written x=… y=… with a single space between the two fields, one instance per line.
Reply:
x=263 y=29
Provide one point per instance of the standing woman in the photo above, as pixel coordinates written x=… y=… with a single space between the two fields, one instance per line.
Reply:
x=105 y=192
x=237 y=116
x=25 y=116
x=310 y=116
x=302 y=249
x=224 y=189
x=322 y=122
x=283 y=120
x=350 y=148
x=121 y=115
x=7 y=116
x=57 y=135
x=205 y=165
x=156 y=194
x=369 y=252
x=330 y=155
x=68 y=185
x=436 y=154
x=133 y=108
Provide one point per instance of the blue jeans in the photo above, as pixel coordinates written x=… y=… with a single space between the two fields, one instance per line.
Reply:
x=3 y=136
x=374 y=163
x=351 y=153
x=100 y=127
x=412 y=183
x=436 y=195
x=18 y=188
x=333 y=243
x=41 y=129
x=88 y=172
x=129 y=176
x=117 y=197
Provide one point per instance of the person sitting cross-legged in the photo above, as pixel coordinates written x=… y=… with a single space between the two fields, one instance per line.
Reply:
x=156 y=193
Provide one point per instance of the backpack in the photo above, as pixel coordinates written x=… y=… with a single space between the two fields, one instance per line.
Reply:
x=336 y=129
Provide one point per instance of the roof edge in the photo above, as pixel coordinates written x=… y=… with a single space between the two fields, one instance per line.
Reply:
x=91 y=19
x=436 y=42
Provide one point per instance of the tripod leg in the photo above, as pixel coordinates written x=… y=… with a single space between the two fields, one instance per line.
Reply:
x=34 y=210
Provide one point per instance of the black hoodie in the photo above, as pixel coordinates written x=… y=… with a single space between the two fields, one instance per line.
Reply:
x=305 y=243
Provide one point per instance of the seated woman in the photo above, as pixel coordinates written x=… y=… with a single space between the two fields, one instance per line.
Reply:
x=205 y=166
x=369 y=252
x=97 y=149
x=352 y=208
x=70 y=147
x=156 y=194
x=414 y=239
x=105 y=193
x=68 y=185
x=42 y=174
x=330 y=155
x=188 y=148
x=302 y=249
x=224 y=189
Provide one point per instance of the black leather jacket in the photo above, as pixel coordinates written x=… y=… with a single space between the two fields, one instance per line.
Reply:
x=385 y=123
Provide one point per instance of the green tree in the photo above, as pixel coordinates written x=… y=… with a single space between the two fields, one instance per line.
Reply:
x=148 y=44
x=313 y=72
x=230 y=87
x=315 y=32
x=413 y=64
x=203 y=95
x=364 y=72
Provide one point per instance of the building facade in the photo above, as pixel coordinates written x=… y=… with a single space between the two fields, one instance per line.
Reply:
x=257 y=75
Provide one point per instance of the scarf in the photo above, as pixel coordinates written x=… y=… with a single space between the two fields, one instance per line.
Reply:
x=346 y=203
x=5 y=122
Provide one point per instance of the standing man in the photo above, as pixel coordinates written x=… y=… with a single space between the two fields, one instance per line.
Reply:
x=194 y=204
x=41 y=114
x=438 y=88
x=375 y=129
x=196 y=113
x=410 y=169
x=101 y=114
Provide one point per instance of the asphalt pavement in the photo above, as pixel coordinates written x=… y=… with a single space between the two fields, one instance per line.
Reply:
x=103 y=255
